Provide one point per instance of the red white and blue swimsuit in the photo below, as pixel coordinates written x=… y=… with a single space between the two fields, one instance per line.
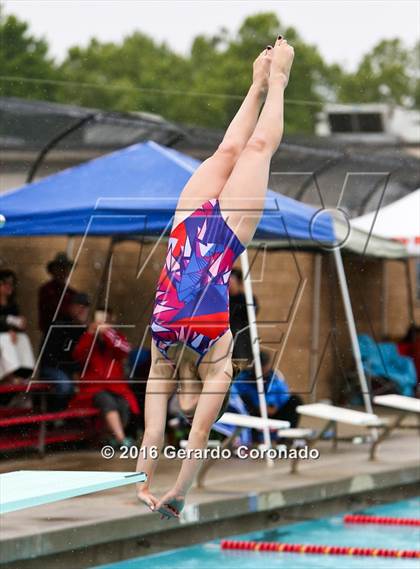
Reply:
x=192 y=297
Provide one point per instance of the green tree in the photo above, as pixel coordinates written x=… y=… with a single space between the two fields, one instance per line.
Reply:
x=132 y=76
x=23 y=55
x=206 y=86
x=414 y=71
x=382 y=76
x=223 y=64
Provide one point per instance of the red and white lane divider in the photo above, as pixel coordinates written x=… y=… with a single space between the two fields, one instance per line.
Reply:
x=386 y=520
x=316 y=549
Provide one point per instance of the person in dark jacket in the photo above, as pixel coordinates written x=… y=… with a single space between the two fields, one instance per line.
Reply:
x=50 y=295
x=57 y=364
x=238 y=315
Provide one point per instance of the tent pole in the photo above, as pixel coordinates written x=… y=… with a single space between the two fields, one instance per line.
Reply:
x=315 y=324
x=255 y=343
x=70 y=247
x=352 y=328
x=101 y=290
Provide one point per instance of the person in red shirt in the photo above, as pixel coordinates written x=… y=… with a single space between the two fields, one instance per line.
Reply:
x=50 y=294
x=101 y=351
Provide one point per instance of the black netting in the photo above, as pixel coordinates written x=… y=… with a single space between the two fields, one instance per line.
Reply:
x=322 y=171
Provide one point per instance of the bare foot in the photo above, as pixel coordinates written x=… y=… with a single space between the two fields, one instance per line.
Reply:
x=282 y=60
x=261 y=69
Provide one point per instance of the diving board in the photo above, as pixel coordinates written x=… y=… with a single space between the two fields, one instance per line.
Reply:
x=27 y=488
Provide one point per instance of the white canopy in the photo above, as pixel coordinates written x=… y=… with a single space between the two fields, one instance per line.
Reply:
x=370 y=245
x=399 y=220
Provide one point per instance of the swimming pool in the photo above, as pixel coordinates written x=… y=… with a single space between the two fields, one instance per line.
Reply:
x=326 y=531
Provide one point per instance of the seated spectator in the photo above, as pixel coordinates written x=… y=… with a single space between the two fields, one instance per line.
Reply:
x=57 y=363
x=238 y=314
x=16 y=355
x=100 y=351
x=50 y=295
x=281 y=404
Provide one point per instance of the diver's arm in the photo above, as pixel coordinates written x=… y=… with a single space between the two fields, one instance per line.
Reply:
x=208 y=408
x=158 y=392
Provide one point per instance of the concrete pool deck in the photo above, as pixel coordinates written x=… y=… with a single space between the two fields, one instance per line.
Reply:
x=240 y=496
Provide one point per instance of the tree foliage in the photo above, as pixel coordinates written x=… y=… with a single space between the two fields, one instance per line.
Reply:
x=205 y=86
x=382 y=75
x=23 y=55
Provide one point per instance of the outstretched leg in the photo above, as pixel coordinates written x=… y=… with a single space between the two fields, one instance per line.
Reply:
x=209 y=179
x=242 y=198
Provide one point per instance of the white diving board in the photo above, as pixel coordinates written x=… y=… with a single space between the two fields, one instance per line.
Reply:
x=27 y=488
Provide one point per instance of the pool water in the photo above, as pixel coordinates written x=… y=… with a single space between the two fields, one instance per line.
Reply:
x=326 y=531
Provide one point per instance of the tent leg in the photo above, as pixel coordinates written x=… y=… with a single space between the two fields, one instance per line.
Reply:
x=352 y=328
x=70 y=247
x=253 y=332
x=315 y=324
x=101 y=291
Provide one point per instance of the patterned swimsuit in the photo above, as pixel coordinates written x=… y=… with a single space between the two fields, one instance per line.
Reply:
x=192 y=298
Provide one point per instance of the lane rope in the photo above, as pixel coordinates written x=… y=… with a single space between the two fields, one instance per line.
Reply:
x=386 y=520
x=317 y=549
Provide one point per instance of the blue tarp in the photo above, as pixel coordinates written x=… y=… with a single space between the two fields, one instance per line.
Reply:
x=383 y=360
x=135 y=191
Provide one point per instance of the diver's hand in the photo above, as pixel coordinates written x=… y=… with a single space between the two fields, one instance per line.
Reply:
x=171 y=505
x=148 y=498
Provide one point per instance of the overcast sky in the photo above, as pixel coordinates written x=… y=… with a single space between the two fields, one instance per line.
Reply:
x=343 y=30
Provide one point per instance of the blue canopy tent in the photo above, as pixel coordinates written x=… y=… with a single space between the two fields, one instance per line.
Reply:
x=135 y=191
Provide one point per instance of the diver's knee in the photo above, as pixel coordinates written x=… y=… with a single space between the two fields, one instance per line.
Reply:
x=260 y=143
x=153 y=433
x=200 y=434
x=228 y=151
